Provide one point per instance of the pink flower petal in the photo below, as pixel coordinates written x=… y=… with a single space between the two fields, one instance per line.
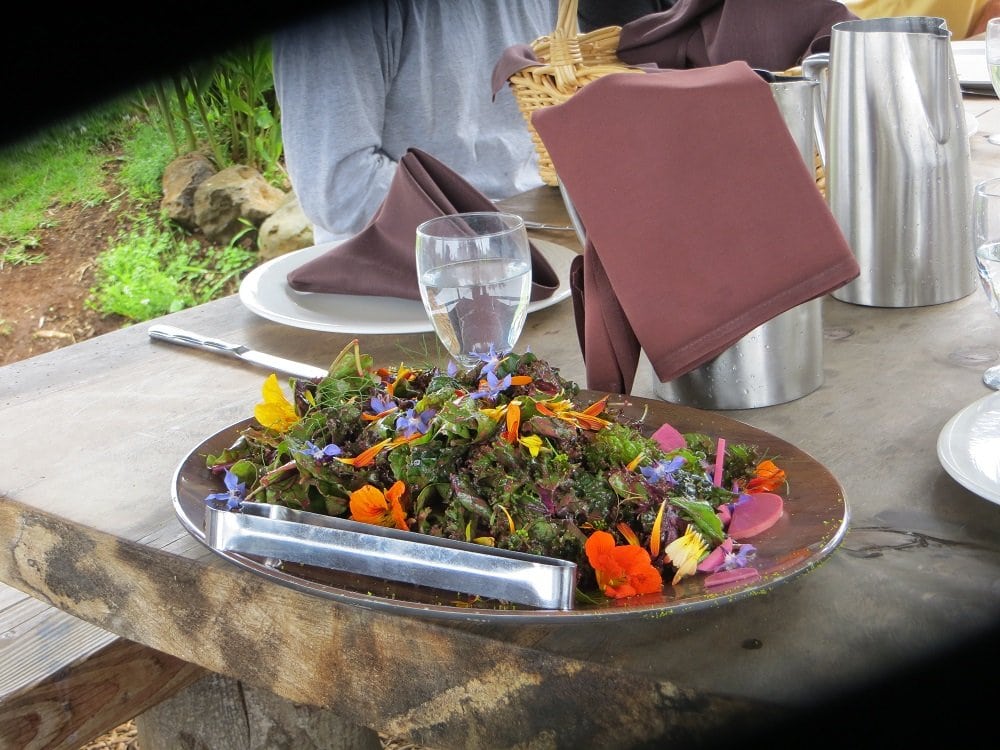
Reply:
x=730 y=576
x=669 y=439
x=755 y=514
x=714 y=559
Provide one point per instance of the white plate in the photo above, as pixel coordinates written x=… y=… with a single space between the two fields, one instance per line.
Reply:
x=970 y=65
x=969 y=447
x=265 y=291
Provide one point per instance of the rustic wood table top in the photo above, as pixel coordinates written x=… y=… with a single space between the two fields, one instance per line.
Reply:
x=93 y=433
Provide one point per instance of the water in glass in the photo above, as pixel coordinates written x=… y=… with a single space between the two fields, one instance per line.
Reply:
x=475 y=282
x=993 y=63
x=986 y=223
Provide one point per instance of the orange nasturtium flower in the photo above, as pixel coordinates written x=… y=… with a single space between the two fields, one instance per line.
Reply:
x=586 y=419
x=367 y=456
x=370 y=505
x=513 y=422
x=768 y=477
x=275 y=412
x=623 y=570
x=685 y=552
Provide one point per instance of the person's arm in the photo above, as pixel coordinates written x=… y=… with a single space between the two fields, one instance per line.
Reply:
x=990 y=10
x=331 y=77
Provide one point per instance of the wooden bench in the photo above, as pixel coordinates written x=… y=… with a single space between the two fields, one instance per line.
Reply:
x=65 y=682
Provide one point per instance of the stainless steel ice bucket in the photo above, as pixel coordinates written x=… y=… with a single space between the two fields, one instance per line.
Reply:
x=897 y=161
x=781 y=360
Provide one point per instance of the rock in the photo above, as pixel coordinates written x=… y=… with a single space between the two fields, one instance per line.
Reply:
x=285 y=230
x=235 y=193
x=181 y=178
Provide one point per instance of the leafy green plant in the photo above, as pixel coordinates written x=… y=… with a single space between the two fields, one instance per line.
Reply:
x=227 y=108
x=150 y=271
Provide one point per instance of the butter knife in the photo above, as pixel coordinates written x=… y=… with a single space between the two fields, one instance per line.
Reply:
x=237 y=351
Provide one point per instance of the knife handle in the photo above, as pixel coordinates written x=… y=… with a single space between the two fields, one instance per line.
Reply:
x=188 y=338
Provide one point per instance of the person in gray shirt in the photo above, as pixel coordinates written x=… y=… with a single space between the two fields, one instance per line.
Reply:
x=362 y=83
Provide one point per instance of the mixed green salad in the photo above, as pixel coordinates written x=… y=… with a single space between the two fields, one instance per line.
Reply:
x=507 y=455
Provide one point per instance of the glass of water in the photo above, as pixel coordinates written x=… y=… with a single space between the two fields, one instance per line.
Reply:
x=986 y=230
x=474 y=271
x=993 y=63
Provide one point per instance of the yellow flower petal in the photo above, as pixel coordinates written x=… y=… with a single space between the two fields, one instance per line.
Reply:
x=276 y=412
x=685 y=552
x=533 y=443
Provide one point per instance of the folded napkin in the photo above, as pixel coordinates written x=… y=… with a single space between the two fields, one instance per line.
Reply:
x=702 y=219
x=763 y=33
x=381 y=259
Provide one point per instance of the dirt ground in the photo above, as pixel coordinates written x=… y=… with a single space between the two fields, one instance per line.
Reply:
x=42 y=306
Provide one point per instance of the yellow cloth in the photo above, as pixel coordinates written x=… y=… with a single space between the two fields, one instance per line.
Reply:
x=960 y=14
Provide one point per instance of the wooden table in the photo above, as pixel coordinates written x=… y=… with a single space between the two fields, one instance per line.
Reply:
x=92 y=434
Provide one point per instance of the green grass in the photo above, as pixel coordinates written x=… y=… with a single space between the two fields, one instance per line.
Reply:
x=63 y=165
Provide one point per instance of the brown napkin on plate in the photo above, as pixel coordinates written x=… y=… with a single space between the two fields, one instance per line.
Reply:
x=763 y=33
x=381 y=259
x=702 y=220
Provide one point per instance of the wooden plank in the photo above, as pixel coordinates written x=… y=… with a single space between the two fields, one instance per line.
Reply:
x=435 y=685
x=64 y=681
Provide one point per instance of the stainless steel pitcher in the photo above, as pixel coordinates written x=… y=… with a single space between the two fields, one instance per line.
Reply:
x=893 y=141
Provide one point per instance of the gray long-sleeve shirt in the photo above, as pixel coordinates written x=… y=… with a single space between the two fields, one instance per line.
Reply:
x=362 y=84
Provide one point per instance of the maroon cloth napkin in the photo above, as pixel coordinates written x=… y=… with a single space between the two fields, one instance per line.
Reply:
x=763 y=33
x=702 y=220
x=381 y=259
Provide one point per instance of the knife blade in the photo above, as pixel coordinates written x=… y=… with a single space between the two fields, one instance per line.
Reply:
x=175 y=335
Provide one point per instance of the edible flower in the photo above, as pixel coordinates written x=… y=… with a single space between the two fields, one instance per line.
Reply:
x=402 y=375
x=663 y=470
x=321 y=455
x=411 y=424
x=492 y=359
x=685 y=552
x=366 y=457
x=370 y=505
x=233 y=494
x=276 y=412
x=533 y=443
x=622 y=570
x=379 y=408
x=513 y=422
x=768 y=477
x=586 y=419
x=491 y=386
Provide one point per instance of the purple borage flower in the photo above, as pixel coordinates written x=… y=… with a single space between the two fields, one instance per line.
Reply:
x=662 y=470
x=493 y=388
x=412 y=423
x=320 y=455
x=379 y=406
x=492 y=359
x=234 y=494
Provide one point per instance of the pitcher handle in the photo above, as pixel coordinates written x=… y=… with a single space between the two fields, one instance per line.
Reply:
x=816 y=67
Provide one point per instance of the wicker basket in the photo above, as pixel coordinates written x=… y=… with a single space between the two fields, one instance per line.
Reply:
x=569 y=61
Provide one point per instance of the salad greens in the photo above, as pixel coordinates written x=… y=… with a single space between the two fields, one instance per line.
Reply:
x=505 y=455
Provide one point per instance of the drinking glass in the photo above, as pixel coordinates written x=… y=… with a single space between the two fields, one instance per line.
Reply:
x=986 y=228
x=474 y=271
x=993 y=63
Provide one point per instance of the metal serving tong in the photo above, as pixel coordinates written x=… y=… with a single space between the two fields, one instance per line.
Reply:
x=275 y=531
